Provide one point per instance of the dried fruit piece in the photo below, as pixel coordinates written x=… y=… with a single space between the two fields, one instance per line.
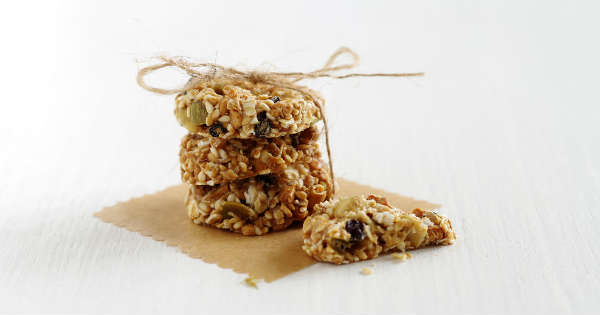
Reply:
x=231 y=207
x=216 y=129
x=268 y=179
x=356 y=229
x=295 y=140
x=264 y=125
x=275 y=99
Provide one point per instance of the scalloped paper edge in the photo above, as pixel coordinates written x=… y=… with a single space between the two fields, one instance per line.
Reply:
x=162 y=217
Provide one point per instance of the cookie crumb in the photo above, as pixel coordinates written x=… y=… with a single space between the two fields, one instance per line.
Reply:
x=251 y=281
x=402 y=256
x=367 y=271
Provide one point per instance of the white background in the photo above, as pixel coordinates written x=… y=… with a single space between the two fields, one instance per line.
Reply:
x=503 y=131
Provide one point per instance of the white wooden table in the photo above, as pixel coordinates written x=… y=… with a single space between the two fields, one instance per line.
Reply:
x=504 y=131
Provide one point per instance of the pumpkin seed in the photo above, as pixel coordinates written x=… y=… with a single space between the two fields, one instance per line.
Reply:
x=198 y=113
x=240 y=210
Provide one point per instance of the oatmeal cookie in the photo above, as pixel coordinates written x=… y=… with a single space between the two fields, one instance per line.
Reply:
x=359 y=228
x=257 y=205
x=228 y=109
x=211 y=161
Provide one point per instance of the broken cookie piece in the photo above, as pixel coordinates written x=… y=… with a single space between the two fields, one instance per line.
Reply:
x=363 y=227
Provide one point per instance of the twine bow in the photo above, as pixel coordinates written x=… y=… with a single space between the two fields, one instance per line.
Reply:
x=288 y=80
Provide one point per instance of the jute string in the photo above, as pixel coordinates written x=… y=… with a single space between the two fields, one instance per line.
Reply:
x=288 y=80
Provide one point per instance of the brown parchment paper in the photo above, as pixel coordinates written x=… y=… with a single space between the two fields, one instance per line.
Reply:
x=163 y=217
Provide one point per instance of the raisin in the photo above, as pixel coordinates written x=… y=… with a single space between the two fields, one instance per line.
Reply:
x=264 y=125
x=268 y=179
x=356 y=230
x=295 y=140
x=216 y=129
x=275 y=99
x=262 y=128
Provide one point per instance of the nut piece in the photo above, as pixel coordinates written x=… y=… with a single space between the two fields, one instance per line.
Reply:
x=345 y=205
x=240 y=210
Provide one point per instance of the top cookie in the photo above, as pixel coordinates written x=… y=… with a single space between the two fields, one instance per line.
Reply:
x=228 y=109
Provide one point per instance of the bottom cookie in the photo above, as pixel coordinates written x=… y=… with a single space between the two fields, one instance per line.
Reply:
x=359 y=228
x=257 y=205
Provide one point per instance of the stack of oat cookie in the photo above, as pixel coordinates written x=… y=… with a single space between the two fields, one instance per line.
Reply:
x=251 y=158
